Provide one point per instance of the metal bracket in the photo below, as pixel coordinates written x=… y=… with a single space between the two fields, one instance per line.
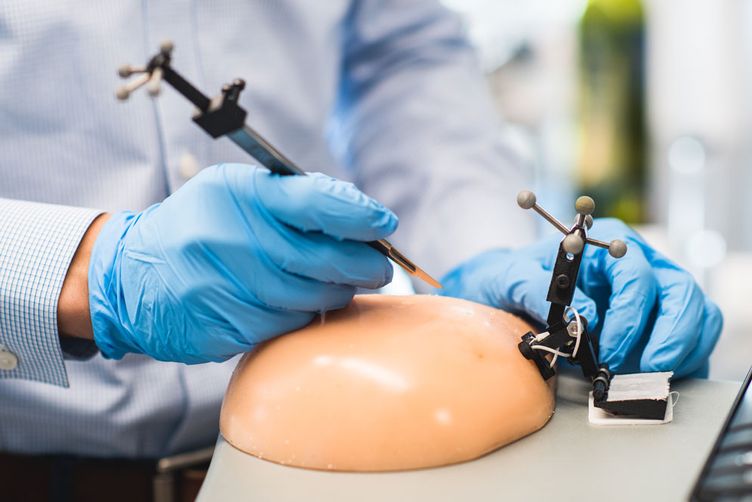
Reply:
x=568 y=336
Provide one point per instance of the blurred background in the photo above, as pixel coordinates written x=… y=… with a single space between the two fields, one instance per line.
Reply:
x=647 y=106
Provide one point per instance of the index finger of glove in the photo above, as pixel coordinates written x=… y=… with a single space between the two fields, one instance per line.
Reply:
x=525 y=289
x=679 y=323
x=633 y=296
x=695 y=365
x=324 y=259
x=320 y=203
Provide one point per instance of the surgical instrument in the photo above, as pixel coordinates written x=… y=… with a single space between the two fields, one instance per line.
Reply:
x=566 y=332
x=223 y=116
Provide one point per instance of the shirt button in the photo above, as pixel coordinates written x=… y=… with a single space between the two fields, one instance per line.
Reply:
x=188 y=166
x=8 y=360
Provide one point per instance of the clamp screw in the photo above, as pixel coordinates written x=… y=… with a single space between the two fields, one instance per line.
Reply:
x=562 y=281
x=573 y=329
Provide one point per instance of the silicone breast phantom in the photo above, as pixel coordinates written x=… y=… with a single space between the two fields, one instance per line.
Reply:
x=388 y=383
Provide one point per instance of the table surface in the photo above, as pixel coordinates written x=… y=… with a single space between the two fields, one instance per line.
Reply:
x=568 y=459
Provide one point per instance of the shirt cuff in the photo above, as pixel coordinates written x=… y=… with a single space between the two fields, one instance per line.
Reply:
x=37 y=244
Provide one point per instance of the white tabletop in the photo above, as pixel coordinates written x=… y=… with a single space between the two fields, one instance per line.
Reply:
x=567 y=460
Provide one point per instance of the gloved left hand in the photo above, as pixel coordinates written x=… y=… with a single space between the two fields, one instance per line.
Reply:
x=648 y=313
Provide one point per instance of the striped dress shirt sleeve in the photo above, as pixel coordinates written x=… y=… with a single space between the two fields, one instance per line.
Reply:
x=37 y=243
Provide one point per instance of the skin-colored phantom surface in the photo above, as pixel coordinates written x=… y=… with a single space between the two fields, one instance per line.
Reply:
x=388 y=383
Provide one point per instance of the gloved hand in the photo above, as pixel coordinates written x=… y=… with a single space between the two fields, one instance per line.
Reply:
x=649 y=314
x=235 y=257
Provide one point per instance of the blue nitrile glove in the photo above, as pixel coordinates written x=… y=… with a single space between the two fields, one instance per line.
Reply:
x=650 y=314
x=235 y=257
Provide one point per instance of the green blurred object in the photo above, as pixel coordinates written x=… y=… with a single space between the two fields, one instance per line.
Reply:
x=611 y=157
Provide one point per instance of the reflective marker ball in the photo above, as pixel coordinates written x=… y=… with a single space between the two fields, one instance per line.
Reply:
x=526 y=199
x=617 y=248
x=573 y=244
x=584 y=205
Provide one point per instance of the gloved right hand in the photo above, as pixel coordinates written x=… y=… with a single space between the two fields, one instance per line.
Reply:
x=236 y=256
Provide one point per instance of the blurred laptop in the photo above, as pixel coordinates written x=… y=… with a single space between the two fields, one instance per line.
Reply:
x=727 y=474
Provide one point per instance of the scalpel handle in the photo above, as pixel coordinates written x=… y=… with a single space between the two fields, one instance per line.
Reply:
x=260 y=149
x=387 y=249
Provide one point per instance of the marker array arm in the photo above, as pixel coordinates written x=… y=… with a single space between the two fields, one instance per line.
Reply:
x=566 y=333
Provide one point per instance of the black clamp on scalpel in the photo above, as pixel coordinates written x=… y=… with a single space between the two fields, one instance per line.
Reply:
x=566 y=332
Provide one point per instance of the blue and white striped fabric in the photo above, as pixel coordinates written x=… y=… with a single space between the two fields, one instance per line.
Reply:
x=383 y=92
x=38 y=242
